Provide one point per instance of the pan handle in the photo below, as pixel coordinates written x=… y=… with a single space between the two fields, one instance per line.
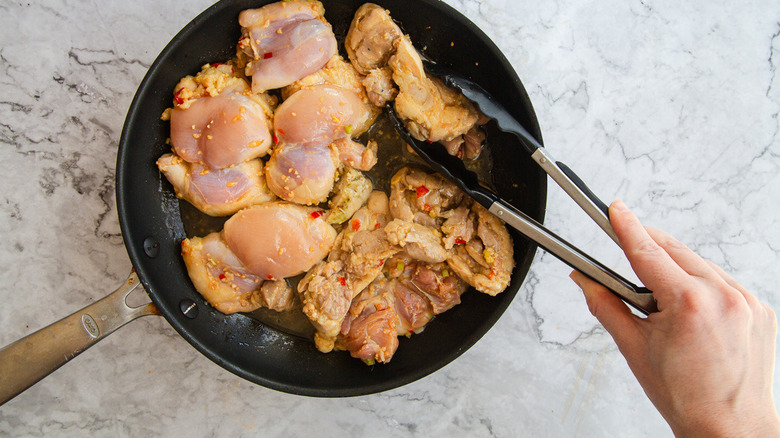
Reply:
x=30 y=359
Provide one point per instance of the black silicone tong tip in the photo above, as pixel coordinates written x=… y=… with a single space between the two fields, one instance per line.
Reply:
x=448 y=166
x=486 y=103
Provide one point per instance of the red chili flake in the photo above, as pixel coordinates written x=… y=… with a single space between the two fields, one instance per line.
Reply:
x=281 y=131
x=217 y=64
x=460 y=241
x=343 y=281
x=379 y=306
x=427 y=207
x=428 y=141
x=268 y=55
x=492 y=274
x=355 y=224
x=222 y=276
x=275 y=139
x=377 y=226
x=381 y=262
x=177 y=99
x=421 y=191
x=316 y=214
x=270 y=277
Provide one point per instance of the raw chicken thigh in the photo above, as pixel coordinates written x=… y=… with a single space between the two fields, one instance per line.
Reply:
x=321 y=114
x=285 y=42
x=226 y=128
x=216 y=192
x=224 y=282
x=302 y=168
x=302 y=174
x=243 y=267
x=278 y=239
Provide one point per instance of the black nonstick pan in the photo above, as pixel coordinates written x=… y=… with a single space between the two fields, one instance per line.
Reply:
x=151 y=220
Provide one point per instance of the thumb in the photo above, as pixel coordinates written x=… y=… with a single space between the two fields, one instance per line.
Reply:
x=611 y=312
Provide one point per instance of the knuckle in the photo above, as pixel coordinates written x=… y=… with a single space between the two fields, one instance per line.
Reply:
x=646 y=247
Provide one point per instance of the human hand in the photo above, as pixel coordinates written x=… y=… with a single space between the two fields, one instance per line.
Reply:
x=706 y=358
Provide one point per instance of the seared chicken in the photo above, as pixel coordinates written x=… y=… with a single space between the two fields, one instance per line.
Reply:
x=371 y=38
x=435 y=282
x=370 y=329
x=351 y=192
x=430 y=110
x=357 y=258
x=483 y=258
x=419 y=241
x=478 y=246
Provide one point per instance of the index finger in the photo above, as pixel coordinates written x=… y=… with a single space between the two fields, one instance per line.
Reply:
x=652 y=264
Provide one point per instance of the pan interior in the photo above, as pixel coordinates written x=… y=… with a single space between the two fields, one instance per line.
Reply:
x=150 y=212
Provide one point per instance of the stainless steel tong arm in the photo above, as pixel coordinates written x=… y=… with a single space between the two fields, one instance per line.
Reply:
x=638 y=297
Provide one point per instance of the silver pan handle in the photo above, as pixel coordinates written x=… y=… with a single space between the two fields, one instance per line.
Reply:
x=638 y=297
x=30 y=359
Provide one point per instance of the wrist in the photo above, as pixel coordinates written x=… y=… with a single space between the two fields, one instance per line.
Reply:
x=716 y=425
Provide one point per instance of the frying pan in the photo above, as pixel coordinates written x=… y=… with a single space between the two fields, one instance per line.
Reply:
x=152 y=226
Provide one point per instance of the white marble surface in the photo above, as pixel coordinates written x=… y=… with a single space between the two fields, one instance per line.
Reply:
x=671 y=106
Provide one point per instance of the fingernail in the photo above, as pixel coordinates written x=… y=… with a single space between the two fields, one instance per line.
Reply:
x=619 y=205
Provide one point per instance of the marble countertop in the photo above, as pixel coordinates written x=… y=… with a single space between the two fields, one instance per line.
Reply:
x=671 y=106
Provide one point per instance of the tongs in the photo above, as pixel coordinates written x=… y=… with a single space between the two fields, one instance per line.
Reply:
x=454 y=169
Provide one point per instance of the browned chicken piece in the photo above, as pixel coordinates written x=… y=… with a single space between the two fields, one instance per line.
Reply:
x=436 y=282
x=430 y=110
x=399 y=304
x=468 y=145
x=478 y=244
x=421 y=197
x=413 y=309
x=486 y=260
x=277 y=295
x=351 y=192
x=216 y=192
x=370 y=329
x=380 y=88
x=419 y=241
x=357 y=258
x=371 y=38
x=219 y=276
x=459 y=227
